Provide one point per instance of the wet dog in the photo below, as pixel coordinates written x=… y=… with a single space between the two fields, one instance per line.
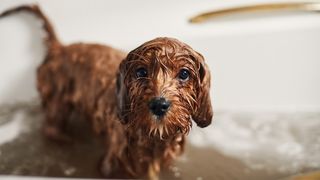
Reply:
x=141 y=103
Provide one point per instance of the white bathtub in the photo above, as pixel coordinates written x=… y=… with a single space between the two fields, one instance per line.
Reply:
x=262 y=66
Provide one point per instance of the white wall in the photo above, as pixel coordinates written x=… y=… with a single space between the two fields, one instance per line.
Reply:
x=257 y=62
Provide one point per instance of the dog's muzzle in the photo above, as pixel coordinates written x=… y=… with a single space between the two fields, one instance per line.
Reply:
x=159 y=106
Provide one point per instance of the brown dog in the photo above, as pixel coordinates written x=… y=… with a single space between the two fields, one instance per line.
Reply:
x=142 y=103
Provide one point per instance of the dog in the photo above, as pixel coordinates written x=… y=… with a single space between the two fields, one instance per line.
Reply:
x=142 y=103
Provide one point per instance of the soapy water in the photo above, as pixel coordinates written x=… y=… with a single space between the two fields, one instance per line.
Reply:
x=282 y=142
x=12 y=129
x=11 y=120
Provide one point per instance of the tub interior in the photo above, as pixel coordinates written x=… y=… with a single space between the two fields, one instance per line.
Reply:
x=265 y=89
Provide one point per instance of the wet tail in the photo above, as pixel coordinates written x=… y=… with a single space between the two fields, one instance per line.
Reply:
x=51 y=40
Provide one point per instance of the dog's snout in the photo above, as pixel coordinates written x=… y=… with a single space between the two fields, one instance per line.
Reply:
x=159 y=106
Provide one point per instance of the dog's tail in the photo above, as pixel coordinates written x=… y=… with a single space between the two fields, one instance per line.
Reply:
x=51 y=40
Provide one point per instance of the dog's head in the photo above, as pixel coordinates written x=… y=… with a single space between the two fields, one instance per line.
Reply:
x=161 y=86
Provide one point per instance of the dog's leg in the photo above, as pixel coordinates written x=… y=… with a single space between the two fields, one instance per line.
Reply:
x=57 y=114
x=109 y=165
x=106 y=166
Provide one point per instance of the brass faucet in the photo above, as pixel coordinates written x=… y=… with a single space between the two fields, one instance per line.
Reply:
x=294 y=6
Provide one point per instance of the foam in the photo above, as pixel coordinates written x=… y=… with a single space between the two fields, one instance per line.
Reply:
x=11 y=130
x=285 y=142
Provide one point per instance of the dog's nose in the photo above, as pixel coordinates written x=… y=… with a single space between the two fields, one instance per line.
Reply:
x=159 y=106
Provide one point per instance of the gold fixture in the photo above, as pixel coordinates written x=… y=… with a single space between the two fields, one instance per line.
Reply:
x=295 y=6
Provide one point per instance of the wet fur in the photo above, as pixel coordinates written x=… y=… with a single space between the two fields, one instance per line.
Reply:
x=99 y=83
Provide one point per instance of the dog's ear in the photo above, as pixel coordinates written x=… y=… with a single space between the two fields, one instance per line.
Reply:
x=122 y=97
x=203 y=113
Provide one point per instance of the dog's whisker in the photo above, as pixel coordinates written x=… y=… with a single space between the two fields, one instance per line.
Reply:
x=136 y=110
x=166 y=130
x=190 y=100
x=151 y=132
x=161 y=131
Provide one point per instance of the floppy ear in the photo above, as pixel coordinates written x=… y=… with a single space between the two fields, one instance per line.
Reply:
x=122 y=96
x=203 y=114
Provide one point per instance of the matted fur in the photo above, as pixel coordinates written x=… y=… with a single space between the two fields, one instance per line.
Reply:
x=99 y=83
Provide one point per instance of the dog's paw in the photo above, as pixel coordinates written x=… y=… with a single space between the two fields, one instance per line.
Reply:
x=106 y=167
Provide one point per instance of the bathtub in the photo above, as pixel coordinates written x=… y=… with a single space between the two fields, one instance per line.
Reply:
x=265 y=85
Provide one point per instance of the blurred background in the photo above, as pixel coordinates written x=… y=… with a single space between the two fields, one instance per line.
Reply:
x=265 y=87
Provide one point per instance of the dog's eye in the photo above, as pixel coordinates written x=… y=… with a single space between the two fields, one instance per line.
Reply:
x=141 y=72
x=184 y=74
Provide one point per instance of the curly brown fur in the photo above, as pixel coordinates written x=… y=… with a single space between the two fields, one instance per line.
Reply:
x=100 y=83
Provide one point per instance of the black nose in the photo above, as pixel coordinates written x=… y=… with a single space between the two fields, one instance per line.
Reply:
x=159 y=106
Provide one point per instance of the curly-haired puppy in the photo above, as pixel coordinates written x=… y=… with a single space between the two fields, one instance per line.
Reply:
x=141 y=103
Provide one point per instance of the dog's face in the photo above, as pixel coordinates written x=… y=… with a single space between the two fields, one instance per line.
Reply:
x=161 y=86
